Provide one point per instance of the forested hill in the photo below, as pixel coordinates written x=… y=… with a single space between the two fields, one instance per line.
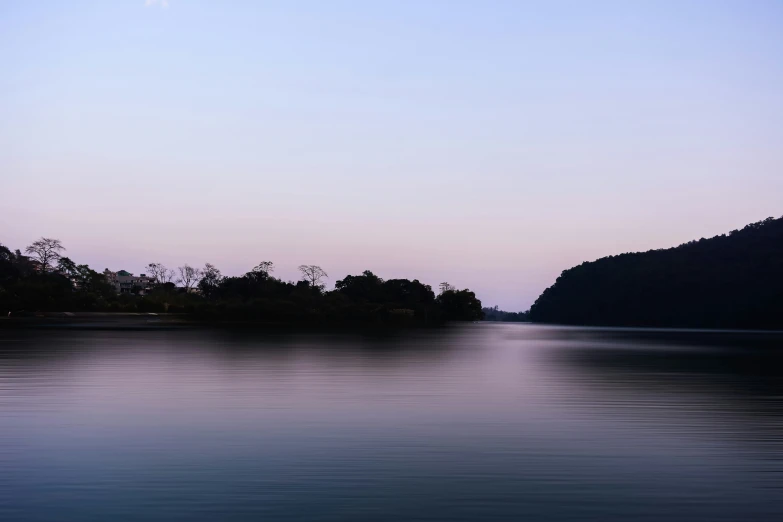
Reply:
x=733 y=280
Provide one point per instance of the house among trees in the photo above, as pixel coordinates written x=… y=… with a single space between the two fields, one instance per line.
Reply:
x=125 y=282
x=46 y=281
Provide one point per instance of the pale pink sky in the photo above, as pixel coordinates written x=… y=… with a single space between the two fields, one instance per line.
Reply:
x=491 y=145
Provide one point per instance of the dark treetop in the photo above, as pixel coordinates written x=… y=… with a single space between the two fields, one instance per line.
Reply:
x=46 y=281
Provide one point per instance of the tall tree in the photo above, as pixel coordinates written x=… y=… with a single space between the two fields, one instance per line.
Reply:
x=188 y=276
x=85 y=278
x=445 y=287
x=160 y=273
x=66 y=266
x=8 y=263
x=313 y=274
x=45 y=251
x=263 y=269
x=211 y=279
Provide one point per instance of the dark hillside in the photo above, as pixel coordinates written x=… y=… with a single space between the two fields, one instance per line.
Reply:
x=733 y=280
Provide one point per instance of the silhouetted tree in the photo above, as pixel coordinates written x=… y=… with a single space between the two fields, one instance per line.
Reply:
x=445 y=287
x=210 y=280
x=81 y=276
x=460 y=305
x=45 y=251
x=160 y=273
x=8 y=264
x=313 y=274
x=263 y=269
x=188 y=276
x=365 y=287
x=66 y=266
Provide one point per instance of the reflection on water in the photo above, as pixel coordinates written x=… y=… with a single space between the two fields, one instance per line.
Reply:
x=488 y=422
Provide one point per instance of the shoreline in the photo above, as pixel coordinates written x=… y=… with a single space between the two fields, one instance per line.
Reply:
x=163 y=321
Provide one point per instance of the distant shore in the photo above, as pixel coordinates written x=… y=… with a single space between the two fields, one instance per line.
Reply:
x=96 y=320
x=178 y=321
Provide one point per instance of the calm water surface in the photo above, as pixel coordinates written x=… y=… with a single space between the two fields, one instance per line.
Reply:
x=486 y=422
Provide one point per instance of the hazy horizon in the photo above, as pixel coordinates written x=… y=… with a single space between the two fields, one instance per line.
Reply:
x=491 y=145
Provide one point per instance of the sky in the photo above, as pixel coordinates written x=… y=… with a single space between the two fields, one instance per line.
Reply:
x=491 y=144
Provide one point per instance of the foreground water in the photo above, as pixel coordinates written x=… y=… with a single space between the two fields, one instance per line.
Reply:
x=486 y=422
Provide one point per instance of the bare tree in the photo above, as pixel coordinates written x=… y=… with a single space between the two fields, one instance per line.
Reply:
x=264 y=268
x=160 y=273
x=188 y=276
x=155 y=271
x=445 y=287
x=46 y=251
x=313 y=274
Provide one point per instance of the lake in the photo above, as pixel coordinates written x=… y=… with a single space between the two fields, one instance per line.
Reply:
x=483 y=422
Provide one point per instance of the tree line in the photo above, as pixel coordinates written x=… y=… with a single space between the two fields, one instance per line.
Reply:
x=496 y=314
x=43 y=279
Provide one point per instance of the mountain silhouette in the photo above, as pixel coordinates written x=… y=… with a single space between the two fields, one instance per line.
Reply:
x=733 y=280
